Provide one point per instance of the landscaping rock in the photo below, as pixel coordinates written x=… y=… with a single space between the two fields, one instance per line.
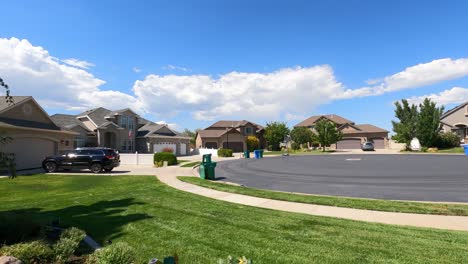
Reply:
x=9 y=260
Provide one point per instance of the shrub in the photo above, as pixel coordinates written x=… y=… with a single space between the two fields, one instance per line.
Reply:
x=253 y=143
x=295 y=146
x=165 y=156
x=448 y=140
x=68 y=243
x=118 y=253
x=424 y=149
x=33 y=252
x=15 y=228
x=167 y=149
x=222 y=152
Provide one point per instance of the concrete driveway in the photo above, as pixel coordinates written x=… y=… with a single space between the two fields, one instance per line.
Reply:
x=396 y=177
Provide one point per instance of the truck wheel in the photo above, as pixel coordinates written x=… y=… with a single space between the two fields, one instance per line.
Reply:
x=50 y=166
x=96 y=167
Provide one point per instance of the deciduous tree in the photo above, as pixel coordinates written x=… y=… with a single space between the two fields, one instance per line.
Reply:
x=327 y=133
x=275 y=132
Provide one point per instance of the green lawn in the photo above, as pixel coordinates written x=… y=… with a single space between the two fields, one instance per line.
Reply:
x=370 y=204
x=451 y=150
x=158 y=220
x=299 y=152
x=190 y=164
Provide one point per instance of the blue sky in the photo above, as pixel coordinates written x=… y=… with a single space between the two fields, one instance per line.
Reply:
x=133 y=46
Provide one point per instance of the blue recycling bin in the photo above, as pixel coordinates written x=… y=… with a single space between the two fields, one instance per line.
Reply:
x=257 y=153
x=465 y=147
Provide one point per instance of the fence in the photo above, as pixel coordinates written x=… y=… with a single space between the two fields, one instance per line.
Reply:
x=203 y=151
x=136 y=159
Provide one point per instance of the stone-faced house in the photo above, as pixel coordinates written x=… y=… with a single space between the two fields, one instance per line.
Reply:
x=353 y=135
x=34 y=135
x=122 y=130
x=456 y=121
x=229 y=134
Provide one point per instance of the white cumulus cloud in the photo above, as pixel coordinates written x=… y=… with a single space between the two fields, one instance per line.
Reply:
x=31 y=70
x=412 y=77
x=78 y=63
x=456 y=95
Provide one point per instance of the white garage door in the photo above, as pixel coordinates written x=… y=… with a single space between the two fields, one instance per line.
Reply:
x=30 y=152
x=160 y=146
x=183 y=149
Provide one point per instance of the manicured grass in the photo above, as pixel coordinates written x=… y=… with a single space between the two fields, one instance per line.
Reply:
x=158 y=220
x=191 y=164
x=369 y=204
x=452 y=150
x=179 y=161
x=298 y=152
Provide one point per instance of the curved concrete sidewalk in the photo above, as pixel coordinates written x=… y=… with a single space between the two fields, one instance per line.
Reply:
x=169 y=175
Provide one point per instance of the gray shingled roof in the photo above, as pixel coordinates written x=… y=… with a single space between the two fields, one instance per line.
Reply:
x=150 y=128
x=335 y=118
x=233 y=123
x=97 y=115
x=16 y=100
x=26 y=123
x=366 y=128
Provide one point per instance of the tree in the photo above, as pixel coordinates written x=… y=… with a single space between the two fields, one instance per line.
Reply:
x=302 y=135
x=8 y=97
x=275 y=132
x=192 y=134
x=327 y=133
x=428 y=123
x=7 y=160
x=405 y=129
x=252 y=143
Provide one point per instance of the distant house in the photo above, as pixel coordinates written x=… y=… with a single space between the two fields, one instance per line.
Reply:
x=456 y=121
x=34 y=134
x=229 y=134
x=353 y=135
x=123 y=130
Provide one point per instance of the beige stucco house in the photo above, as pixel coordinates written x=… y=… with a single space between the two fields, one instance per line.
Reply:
x=229 y=134
x=123 y=130
x=353 y=135
x=456 y=121
x=34 y=134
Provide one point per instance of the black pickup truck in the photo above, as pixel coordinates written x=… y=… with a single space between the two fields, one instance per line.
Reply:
x=94 y=159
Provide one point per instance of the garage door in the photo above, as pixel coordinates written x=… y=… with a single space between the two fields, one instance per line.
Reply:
x=235 y=146
x=211 y=145
x=379 y=143
x=160 y=146
x=183 y=149
x=30 y=152
x=350 y=143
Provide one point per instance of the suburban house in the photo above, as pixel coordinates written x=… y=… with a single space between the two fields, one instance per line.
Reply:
x=456 y=121
x=34 y=134
x=353 y=135
x=229 y=134
x=123 y=130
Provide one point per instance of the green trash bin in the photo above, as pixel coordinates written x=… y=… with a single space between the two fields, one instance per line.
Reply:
x=201 y=170
x=210 y=171
x=261 y=153
x=247 y=154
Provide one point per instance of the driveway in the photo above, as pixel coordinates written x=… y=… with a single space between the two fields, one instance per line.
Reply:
x=396 y=177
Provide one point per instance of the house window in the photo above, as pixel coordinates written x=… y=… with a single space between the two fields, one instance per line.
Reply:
x=123 y=121
x=78 y=142
x=248 y=130
x=130 y=125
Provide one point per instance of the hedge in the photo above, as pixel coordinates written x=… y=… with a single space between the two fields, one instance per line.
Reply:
x=165 y=156
x=224 y=152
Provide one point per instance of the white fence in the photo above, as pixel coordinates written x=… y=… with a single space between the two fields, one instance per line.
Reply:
x=136 y=159
x=203 y=151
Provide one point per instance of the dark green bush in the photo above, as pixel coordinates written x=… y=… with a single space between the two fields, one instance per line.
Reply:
x=118 y=253
x=29 y=253
x=15 y=228
x=165 y=156
x=68 y=243
x=222 y=152
x=295 y=146
x=448 y=140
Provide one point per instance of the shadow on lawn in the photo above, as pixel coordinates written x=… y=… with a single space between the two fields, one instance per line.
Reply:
x=102 y=220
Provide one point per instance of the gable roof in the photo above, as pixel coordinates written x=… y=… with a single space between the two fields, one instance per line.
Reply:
x=148 y=128
x=67 y=121
x=366 y=128
x=16 y=100
x=332 y=117
x=453 y=110
x=233 y=123
x=97 y=115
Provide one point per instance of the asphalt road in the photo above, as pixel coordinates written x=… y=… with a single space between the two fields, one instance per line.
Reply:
x=396 y=177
